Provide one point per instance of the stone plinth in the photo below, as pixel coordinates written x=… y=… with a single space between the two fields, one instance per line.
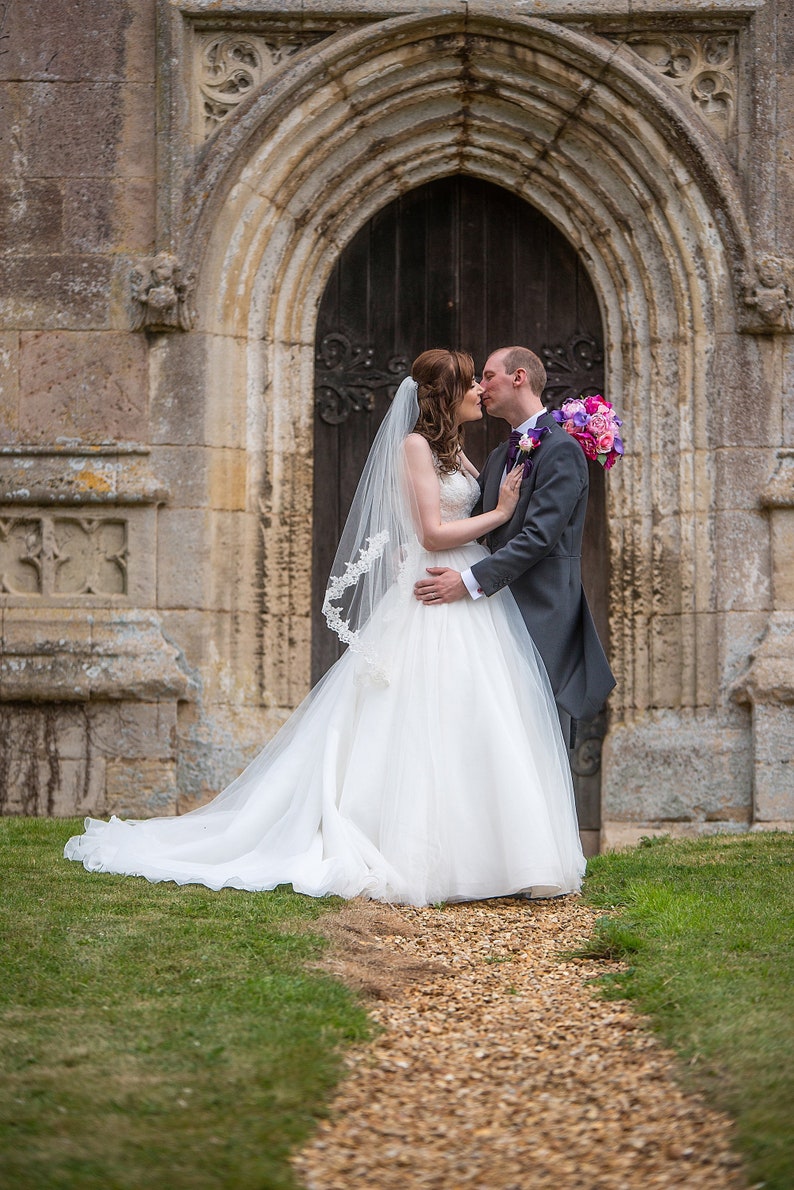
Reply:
x=92 y=758
x=685 y=772
x=768 y=687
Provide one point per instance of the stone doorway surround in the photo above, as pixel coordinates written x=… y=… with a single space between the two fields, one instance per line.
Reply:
x=282 y=132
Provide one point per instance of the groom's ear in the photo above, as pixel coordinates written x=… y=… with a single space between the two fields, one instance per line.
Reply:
x=519 y=377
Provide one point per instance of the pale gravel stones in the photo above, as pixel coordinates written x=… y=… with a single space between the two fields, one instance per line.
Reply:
x=507 y=1072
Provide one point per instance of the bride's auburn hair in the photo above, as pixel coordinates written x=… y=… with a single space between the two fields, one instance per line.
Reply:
x=444 y=378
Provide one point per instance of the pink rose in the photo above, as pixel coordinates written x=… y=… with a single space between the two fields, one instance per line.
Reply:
x=572 y=407
x=588 y=445
x=605 y=442
x=598 y=424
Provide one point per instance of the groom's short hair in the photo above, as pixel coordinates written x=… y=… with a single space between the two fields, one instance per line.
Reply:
x=522 y=357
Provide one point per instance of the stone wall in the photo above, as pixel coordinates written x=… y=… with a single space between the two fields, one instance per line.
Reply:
x=177 y=181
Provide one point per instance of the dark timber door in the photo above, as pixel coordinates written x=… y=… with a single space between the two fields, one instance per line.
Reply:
x=457 y=263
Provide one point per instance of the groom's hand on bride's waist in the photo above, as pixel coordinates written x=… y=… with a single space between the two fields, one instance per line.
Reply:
x=443 y=586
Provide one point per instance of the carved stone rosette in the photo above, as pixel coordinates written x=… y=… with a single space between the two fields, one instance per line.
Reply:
x=160 y=294
x=702 y=66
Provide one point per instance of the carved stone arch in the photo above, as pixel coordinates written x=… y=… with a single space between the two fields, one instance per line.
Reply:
x=584 y=75
x=576 y=125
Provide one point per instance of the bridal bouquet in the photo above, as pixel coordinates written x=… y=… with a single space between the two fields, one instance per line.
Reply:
x=594 y=424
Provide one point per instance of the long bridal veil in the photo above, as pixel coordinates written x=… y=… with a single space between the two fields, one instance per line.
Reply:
x=379 y=541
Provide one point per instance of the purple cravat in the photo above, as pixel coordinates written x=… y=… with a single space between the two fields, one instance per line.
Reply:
x=512 y=449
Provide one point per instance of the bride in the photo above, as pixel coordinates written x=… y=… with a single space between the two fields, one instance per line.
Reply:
x=428 y=764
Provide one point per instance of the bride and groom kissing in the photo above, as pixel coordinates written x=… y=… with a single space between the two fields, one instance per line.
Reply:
x=537 y=553
x=428 y=764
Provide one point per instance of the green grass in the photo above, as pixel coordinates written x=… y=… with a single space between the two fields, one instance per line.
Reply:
x=155 y=1036
x=707 y=930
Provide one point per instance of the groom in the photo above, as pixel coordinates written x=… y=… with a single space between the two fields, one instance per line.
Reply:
x=538 y=552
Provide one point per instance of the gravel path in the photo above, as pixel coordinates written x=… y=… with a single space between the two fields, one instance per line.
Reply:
x=497 y=1067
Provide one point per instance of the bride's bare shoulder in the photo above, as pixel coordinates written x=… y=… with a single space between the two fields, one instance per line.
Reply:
x=417 y=448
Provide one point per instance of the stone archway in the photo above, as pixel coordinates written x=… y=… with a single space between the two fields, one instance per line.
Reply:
x=371 y=112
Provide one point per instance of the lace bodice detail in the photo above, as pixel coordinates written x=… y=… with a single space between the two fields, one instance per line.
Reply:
x=459 y=493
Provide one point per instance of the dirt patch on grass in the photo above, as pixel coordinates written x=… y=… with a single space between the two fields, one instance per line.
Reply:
x=367 y=950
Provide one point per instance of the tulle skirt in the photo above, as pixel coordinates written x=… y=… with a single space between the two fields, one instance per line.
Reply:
x=449 y=782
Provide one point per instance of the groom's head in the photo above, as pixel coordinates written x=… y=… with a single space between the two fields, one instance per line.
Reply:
x=512 y=380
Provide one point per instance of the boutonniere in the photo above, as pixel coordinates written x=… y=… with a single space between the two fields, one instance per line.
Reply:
x=596 y=427
x=528 y=443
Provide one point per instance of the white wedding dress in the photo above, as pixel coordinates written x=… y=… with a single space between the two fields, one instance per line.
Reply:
x=451 y=782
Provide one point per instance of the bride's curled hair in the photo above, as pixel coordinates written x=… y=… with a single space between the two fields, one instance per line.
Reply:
x=444 y=378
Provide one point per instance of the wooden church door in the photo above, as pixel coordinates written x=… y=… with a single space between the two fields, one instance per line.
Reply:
x=456 y=263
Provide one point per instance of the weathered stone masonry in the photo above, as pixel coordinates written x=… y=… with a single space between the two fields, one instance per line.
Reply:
x=178 y=179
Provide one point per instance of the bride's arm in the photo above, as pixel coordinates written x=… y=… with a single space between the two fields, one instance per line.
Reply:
x=426 y=502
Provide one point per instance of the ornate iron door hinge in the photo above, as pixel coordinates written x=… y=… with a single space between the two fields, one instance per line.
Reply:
x=345 y=378
x=574 y=368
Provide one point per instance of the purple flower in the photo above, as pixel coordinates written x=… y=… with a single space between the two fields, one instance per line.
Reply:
x=573 y=408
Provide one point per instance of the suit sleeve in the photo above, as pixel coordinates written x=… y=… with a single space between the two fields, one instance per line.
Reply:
x=561 y=479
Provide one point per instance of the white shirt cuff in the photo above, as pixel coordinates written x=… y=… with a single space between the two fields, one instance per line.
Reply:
x=471 y=584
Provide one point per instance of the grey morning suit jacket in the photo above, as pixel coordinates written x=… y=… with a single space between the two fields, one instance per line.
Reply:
x=538 y=553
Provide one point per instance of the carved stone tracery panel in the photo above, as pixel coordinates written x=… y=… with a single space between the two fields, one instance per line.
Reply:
x=702 y=66
x=229 y=66
x=91 y=557
x=50 y=555
x=20 y=556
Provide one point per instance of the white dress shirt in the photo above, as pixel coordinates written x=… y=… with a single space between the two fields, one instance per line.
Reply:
x=471 y=583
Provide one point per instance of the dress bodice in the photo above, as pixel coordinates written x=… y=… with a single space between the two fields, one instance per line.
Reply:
x=459 y=493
